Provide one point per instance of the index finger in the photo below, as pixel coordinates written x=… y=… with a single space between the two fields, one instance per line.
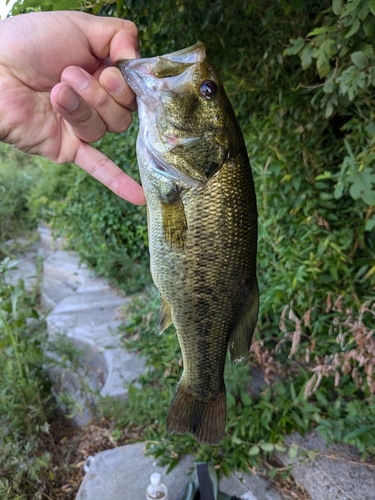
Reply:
x=109 y=174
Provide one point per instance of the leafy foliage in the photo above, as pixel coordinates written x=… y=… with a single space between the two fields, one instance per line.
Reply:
x=25 y=399
x=342 y=51
x=300 y=76
x=17 y=174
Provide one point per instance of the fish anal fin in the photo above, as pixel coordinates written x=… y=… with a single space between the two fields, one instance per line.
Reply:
x=242 y=333
x=174 y=223
x=165 y=315
x=204 y=419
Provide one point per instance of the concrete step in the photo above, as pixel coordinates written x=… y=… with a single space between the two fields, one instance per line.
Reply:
x=123 y=473
x=87 y=311
x=90 y=320
x=333 y=472
x=48 y=244
x=63 y=275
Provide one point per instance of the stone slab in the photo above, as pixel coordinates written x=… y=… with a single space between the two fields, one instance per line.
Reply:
x=123 y=474
x=333 y=473
x=93 y=315
x=100 y=301
x=47 y=243
x=64 y=275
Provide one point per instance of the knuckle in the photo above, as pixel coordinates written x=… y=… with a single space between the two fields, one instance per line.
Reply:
x=85 y=114
x=120 y=125
x=131 y=28
x=101 y=99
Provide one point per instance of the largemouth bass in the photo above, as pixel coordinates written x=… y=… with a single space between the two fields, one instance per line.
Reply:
x=202 y=223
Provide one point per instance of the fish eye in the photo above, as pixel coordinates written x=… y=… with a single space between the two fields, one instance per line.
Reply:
x=208 y=88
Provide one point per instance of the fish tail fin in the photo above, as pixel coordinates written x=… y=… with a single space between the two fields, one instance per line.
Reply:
x=204 y=419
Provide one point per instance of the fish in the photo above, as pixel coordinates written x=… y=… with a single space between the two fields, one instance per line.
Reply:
x=202 y=226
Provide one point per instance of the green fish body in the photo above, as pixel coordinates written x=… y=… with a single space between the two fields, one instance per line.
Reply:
x=202 y=222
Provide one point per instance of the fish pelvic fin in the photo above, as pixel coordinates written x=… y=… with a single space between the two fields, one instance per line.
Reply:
x=174 y=223
x=204 y=419
x=165 y=315
x=242 y=333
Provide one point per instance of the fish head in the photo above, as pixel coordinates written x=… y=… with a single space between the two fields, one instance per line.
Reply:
x=183 y=112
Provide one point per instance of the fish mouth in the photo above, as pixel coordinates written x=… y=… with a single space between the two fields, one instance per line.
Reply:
x=149 y=78
x=171 y=72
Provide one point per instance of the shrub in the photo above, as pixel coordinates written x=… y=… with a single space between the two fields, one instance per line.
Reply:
x=17 y=174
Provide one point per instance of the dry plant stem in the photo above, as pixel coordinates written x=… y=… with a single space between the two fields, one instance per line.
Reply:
x=343 y=459
x=42 y=492
x=50 y=438
x=312 y=87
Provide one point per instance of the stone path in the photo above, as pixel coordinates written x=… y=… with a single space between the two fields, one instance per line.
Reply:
x=330 y=472
x=86 y=310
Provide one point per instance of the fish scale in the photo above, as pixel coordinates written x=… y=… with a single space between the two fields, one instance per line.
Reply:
x=202 y=223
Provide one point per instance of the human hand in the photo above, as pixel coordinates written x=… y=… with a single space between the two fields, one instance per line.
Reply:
x=58 y=91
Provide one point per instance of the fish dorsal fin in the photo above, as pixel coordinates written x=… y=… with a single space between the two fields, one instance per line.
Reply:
x=242 y=333
x=174 y=223
x=165 y=315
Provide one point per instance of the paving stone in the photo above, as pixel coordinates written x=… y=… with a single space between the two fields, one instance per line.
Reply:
x=90 y=320
x=94 y=315
x=47 y=243
x=63 y=275
x=334 y=472
x=123 y=474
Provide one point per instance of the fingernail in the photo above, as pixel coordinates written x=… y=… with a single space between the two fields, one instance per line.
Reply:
x=114 y=84
x=67 y=99
x=76 y=78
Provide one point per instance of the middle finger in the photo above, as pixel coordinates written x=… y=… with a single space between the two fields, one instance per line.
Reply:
x=114 y=114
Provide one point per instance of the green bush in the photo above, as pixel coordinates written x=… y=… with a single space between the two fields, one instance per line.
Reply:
x=18 y=172
x=25 y=398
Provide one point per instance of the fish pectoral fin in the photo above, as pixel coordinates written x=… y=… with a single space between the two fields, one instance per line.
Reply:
x=242 y=333
x=165 y=315
x=174 y=223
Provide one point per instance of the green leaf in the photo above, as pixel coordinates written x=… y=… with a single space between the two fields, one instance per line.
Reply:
x=297 y=45
x=337 y=7
x=293 y=451
x=322 y=30
x=363 y=13
x=225 y=468
x=370 y=224
x=369 y=26
x=267 y=446
x=362 y=186
x=353 y=30
x=372 y=76
x=359 y=59
x=254 y=450
x=325 y=175
x=351 y=81
x=246 y=399
x=371 y=4
x=350 y=6
x=280 y=447
x=231 y=402
x=306 y=56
